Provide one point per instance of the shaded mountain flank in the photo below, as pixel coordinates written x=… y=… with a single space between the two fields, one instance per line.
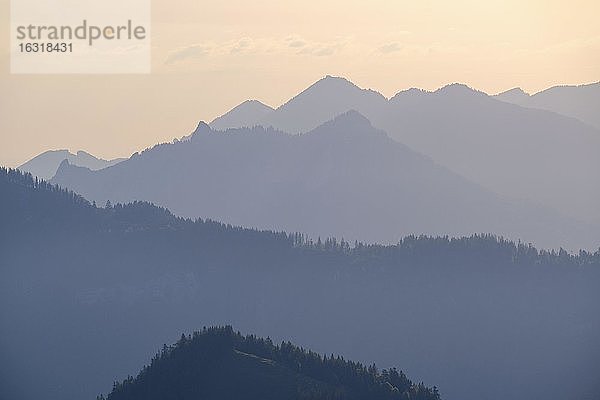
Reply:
x=577 y=101
x=343 y=179
x=529 y=154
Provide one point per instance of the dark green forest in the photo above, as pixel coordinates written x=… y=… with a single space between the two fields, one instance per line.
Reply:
x=218 y=363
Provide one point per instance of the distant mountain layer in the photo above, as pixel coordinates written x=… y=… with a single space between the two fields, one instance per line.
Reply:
x=534 y=155
x=220 y=364
x=581 y=102
x=44 y=165
x=87 y=293
x=344 y=179
x=244 y=115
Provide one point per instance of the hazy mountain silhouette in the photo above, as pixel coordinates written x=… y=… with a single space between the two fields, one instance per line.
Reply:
x=581 y=101
x=343 y=179
x=321 y=102
x=246 y=114
x=45 y=164
x=530 y=154
x=514 y=95
x=87 y=294
x=524 y=153
x=217 y=363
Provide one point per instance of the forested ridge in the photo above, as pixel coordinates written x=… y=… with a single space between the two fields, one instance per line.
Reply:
x=96 y=289
x=27 y=199
x=218 y=363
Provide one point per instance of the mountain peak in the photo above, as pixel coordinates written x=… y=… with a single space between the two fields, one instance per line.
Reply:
x=322 y=101
x=202 y=128
x=354 y=118
x=246 y=114
x=330 y=82
x=515 y=95
x=517 y=91
x=458 y=89
x=332 y=78
x=349 y=123
x=64 y=164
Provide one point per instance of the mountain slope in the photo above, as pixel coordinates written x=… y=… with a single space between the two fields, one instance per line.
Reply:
x=44 y=165
x=87 y=293
x=343 y=179
x=529 y=154
x=246 y=114
x=218 y=363
x=515 y=95
x=581 y=102
x=322 y=101
x=519 y=152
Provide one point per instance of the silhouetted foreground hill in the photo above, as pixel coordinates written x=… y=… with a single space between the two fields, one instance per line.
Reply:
x=86 y=293
x=219 y=363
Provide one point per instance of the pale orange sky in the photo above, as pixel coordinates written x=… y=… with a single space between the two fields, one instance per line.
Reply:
x=208 y=56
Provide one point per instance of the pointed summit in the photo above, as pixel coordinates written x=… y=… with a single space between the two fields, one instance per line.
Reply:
x=333 y=84
x=352 y=120
x=514 y=95
x=517 y=91
x=322 y=101
x=202 y=128
x=246 y=114
x=64 y=164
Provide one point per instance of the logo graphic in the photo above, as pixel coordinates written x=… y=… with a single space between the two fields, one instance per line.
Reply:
x=80 y=36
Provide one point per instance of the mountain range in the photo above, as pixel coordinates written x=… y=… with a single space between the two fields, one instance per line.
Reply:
x=344 y=179
x=391 y=231
x=522 y=153
x=580 y=101
x=44 y=165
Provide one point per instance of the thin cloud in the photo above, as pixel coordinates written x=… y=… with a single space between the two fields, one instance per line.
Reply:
x=291 y=45
x=390 y=48
x=297 y=43
x=241 y=45
x=193 y=51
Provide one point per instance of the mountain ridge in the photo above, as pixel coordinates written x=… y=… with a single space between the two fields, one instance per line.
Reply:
x=472 y=134
x=346 y=179
x=576 y=101
x=45 y=164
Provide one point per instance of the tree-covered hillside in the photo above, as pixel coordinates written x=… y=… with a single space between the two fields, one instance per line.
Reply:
x=218 y=363
x=95 y=290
